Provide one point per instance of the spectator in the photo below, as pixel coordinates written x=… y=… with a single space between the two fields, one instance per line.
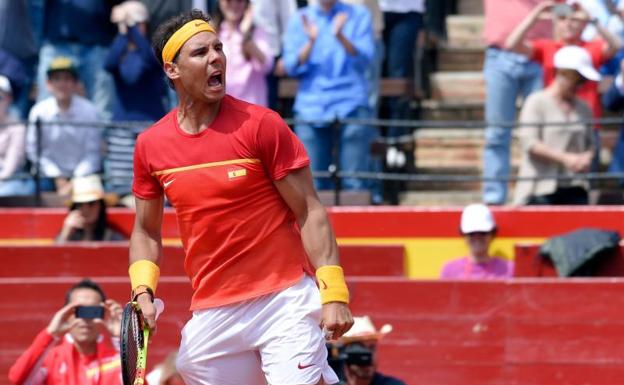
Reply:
x=67 y=149
x=87 y=219
x=12 y=149
x=360 y=351
x=613 y=99
x=166 y=372
x=75 y=347
x=551 y=152
x=328 y=47
x=569 y=23
x=140 y=91
x=273 y=16
x=80 y=30
x=507 y=75
x=247 y=49
x=403 y=21
x=17 y=42
x=479 y=229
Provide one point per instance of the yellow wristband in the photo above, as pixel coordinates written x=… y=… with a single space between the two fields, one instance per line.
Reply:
x=332 y=284
x=144 y=273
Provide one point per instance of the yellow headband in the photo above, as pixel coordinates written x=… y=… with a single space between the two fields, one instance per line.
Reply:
x=177 y=40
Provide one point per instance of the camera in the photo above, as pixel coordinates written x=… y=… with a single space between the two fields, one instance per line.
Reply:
x=89 y=312
x=358 y=354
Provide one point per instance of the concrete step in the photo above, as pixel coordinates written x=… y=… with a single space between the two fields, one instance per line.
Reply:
x=452 y=58
x=459 y=86
x=470 y=7
x=465 y=30
x=451 y=110
x=439 y=198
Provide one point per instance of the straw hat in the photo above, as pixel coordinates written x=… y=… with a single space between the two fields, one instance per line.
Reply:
x=87 y=189
x=363 y=329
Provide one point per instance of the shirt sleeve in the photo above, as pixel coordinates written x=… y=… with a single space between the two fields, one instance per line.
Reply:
x=538 y=47
x=294 y=39
x=144 y=184
x=280 y=151
x=529 y=134
x=30 y=363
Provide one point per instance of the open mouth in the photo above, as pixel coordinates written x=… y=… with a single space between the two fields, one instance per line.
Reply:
x=216 y=79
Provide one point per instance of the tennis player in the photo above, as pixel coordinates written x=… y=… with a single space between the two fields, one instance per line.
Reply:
x=252 y=226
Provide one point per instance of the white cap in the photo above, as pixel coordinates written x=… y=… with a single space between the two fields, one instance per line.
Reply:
x=87 y=189
x=477 y=217
x=573 y=57
x=363 y=329
x=5 y=84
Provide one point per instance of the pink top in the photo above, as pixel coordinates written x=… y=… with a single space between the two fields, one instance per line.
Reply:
x=465 y=268
x=501 y=17
x=245 y=79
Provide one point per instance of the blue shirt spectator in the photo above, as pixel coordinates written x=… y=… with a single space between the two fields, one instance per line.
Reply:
x=332 y=82
x=138 y=78
x=328 y=47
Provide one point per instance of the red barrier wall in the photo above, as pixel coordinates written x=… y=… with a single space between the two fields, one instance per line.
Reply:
x=529 y=263
x=529 y=332
x=375 y=222
x=111 y=259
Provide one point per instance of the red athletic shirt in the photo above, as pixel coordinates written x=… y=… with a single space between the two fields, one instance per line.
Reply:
x=240 y=238
x=544 y=53
x=48 y=362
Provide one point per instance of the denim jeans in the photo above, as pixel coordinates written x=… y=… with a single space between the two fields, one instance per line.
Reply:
x=353 y=143
x=400 y=37
x=98 y=83
x=18 y=186
x=507 y=75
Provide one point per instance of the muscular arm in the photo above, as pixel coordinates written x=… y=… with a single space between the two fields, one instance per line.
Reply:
x=318 y=240
x=317 y=235
x=146 y=238
x=146 y=243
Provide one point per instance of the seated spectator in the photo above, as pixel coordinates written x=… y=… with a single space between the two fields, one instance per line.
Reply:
x=75 y=347
x=87 y=220
x=166 y=372
x=553 y=153
x=140 y=89
x=246 y=46
x=67 y=149
x=13 y=180
x=328 y=47
x=568 y=23
x=359 y=348
x=479 y=229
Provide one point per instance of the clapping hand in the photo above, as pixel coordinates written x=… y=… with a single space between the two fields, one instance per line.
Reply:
x=309 y=28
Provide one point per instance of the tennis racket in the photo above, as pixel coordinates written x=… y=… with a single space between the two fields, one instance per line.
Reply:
x=134 y=337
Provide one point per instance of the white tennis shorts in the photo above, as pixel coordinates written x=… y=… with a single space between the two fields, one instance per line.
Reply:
x=274 y=339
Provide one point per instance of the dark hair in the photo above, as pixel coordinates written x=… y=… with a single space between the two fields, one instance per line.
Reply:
x=100 y=223
x=170 y=26
x=86 y=283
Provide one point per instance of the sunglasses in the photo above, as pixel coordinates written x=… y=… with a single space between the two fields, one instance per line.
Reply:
x=89 y=204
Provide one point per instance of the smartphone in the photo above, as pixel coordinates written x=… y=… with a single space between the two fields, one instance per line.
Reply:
x=89 y=312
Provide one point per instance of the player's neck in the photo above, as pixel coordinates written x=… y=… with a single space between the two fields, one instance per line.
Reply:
x=194 y=117
x=86 y=348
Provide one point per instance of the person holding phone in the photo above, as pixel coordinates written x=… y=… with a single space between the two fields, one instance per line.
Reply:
x=78 y=345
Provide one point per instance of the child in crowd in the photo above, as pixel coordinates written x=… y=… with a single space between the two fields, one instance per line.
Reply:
x=479 y=229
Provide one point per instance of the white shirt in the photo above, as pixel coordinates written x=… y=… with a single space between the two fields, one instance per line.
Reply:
x=272 y=16
x=66 y=150
x=402 y=6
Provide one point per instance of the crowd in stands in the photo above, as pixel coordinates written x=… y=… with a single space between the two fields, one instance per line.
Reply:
x=80 y=62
